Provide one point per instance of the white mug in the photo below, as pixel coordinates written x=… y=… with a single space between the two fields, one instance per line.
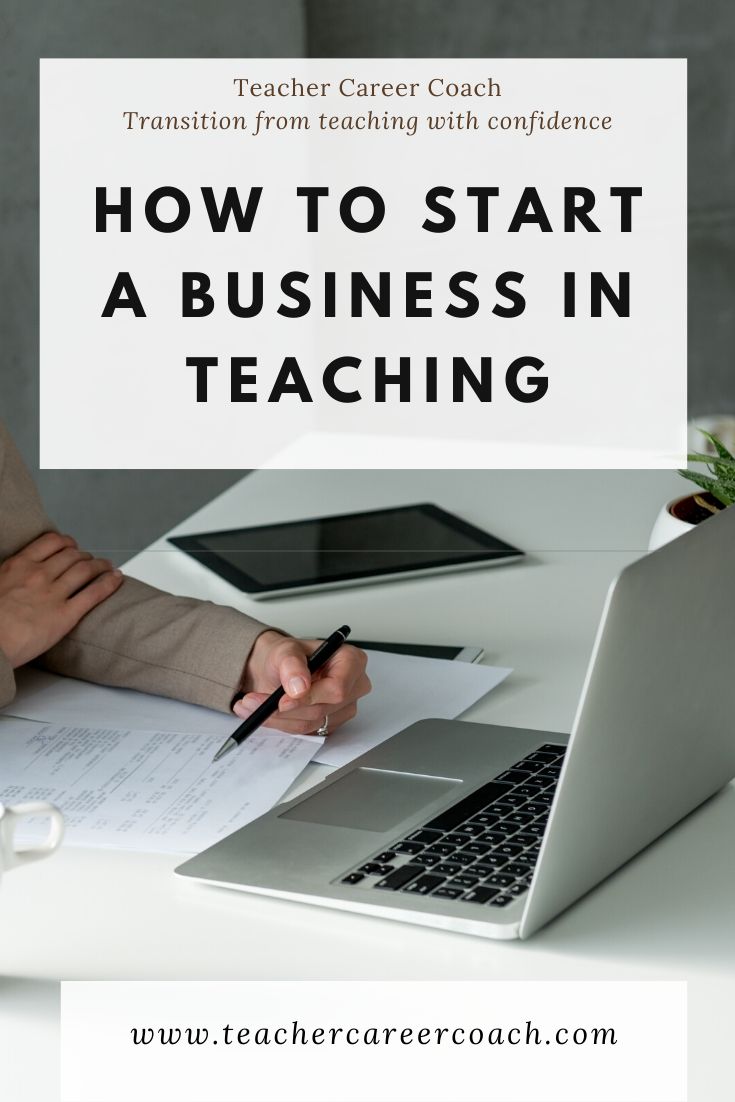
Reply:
x=10 y=855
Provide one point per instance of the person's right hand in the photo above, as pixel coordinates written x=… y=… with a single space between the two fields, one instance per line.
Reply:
x=45 y=590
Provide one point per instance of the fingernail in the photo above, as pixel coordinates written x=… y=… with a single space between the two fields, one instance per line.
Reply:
x=288 y=705
x=297 y=686
x=117 y=573
x=243 y=709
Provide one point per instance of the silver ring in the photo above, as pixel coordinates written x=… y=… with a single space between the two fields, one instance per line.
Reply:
x=324 y=729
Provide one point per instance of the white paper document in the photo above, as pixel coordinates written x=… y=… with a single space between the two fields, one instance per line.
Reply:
x=52 y=699
x=405 y=689
x=146 y=790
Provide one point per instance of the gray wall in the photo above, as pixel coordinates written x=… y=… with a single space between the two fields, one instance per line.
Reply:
x=105 y=509
x=701 y=30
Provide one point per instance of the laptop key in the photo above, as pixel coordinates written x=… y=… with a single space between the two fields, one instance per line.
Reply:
x=526 y=839
x=477 y=848
x=451 y=817
x=353 y=878
x=495 y=837
x=527 y=790
x=374 y=869
x=485 y=818
x=479 y=895
x=488 y=864
x=423 y=885
x=430 y=859
x=399 y=877
x=425 y=836
x=385 y=858
x=457 y=839
x=543 y=756
x=464 y=881
x=503 y=829
x=517 y=868
x=537 y=829
x=473 y=829
x=535 y=806
x=501 y=900
x=550 y=772
x=517 y=889
x=515 y=775
x=411 y=848
x=520 y=818
x=509 y=849
x=463 y=859
x=530 y=768
x=441 y=848
x=514 y=799
x=499 y=880
x=502 y=807
x=446 y=868
x=448 y=892
x=554 y=748
x=523 y=765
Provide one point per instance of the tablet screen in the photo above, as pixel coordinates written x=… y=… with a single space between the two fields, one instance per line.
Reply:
x=338 y=549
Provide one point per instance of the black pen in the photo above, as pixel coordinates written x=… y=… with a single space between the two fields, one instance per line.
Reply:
x=315 y=662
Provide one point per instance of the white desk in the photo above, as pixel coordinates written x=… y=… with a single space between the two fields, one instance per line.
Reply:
x=669 y=913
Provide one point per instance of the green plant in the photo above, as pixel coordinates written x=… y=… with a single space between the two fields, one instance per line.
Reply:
x=720 y=482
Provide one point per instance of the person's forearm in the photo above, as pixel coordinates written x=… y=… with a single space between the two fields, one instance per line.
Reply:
x=139 y=637
x=142 y=638
x=71 y=613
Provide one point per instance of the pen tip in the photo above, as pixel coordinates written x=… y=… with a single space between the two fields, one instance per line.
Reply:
x=224 y=749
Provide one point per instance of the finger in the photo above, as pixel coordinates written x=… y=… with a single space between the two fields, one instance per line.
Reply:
x=57 y=564
x=92 y=595
x=304 y=717
x=81 y=574
x=339 y=686
x=313 y=714
x=245 y=707
x=47 y=544
x=334 y=699
x=293 y=672
x=309 y=727
x=335 y=682
x=309 y=713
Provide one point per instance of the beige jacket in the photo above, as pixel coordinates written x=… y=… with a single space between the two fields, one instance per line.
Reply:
x=140 y=637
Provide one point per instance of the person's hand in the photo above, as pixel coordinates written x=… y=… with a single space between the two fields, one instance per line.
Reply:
x=45 y=590
x=333 y=691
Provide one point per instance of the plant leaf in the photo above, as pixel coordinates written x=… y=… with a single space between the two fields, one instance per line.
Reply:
x=711 y=485
x=711 y=461
x=717 y=444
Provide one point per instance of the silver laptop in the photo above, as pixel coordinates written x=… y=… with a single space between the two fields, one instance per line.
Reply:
x=495 y=830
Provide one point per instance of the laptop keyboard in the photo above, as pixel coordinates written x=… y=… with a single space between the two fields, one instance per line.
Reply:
x=482 y=849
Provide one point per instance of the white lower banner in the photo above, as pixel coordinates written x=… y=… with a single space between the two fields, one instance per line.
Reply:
x=360 y=1041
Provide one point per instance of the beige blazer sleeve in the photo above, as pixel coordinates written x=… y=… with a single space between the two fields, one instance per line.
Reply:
x=140 y=637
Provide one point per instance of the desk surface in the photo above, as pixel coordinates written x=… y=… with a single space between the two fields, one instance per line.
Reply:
x=670 y=912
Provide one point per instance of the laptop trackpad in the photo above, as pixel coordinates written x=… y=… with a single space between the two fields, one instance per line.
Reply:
x=370 y=799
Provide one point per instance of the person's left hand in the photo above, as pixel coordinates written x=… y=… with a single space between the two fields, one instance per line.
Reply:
x=333 y=691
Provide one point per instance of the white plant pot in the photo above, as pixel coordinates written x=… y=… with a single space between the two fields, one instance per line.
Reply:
x=667 y=526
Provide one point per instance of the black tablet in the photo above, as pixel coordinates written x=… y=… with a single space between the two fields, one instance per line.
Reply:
x=349 y=549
